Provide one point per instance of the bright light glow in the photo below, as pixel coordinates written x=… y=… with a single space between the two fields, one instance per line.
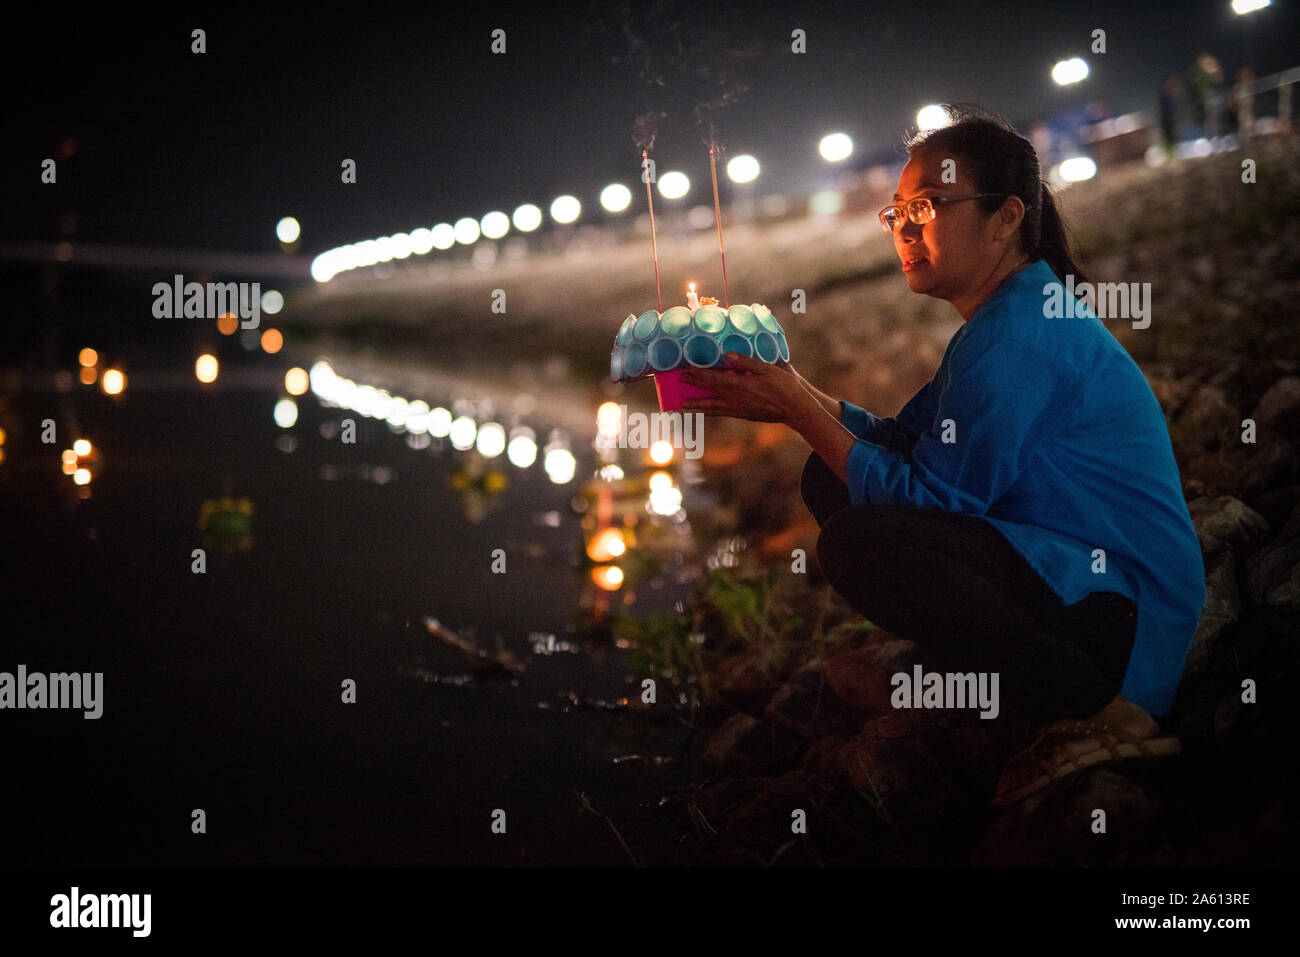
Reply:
x=742 y=169
x=272 y=302
x=462 y=433
x=615 y=197
x=1077 y=168
x=69 y=461
x=661 y=452
x=113 y=382
x=608 y=577
x=495 y=225
x=286 y=413
x=835 y=147
x=272 y=341
x=560 y=466
x=674 y=184
x=932 y=117
x=467 y=230
x=826 y=202
x=205 y=368
x=396 y=416
x=1241 y=7
x=565 y=209
x=439 y=423
x=421 y=241
x=606 y=544
x=1069 y=71
x=324 y=267
x=81 y=476
x=660 y=480
x=88 y=357
x=444 y=236
x=417 y=417
x=227 y=324
x=288 y=230
x=609 y=418
x=81 y=447
x=401 y=245
x=491 y=440
x=296 y=381
x=385 y=248
x=88 y=375
x=527 y=218
x=609 y=473
x=666 y=501
x=522 y=450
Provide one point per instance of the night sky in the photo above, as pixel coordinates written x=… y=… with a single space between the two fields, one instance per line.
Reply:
x=209 y=151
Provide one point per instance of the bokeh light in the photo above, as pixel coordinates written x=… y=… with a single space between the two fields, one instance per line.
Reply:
x=113 y=382
x=467 y=231
x=674 y=184
x=932 y=117
x=495 y=225
x=835 y=147
x=296 y=381
x=661 y=452
x=272 y=341
x=88 y=357
x=205 y=368
x=288 y=230
x=272 y=302
x=608 y=577
x=615 y=197
x=527 y=218
x=565 y=209
x=286 y=413
x=743 y=168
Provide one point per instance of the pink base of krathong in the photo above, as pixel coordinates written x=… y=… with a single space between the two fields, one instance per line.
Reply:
x=673 y=392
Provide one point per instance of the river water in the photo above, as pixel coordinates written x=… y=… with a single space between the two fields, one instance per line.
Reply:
x=224 y=690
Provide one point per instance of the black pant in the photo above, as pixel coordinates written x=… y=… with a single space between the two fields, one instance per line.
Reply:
x=953 y=583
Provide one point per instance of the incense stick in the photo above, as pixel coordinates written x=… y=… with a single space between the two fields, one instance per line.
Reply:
x=654 y=243
x=717 y=215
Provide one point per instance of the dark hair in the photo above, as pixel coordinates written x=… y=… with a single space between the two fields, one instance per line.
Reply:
x=1002 y=161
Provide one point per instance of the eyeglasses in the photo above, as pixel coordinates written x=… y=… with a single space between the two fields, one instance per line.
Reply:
x=921 y=209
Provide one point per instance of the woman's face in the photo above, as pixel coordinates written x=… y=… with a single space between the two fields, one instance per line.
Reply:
x=953 y=254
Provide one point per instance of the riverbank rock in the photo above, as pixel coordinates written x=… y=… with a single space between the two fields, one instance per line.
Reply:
x=861 y=678
x=1226 y=521
x=1058 y=827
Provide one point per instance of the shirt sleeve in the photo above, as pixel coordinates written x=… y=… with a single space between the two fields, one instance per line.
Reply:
x=1004 y=398
x=898 y=433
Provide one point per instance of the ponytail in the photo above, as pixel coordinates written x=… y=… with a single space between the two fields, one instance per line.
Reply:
x=1052 y=243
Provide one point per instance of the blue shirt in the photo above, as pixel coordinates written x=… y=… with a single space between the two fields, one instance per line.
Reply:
x=1047 y=428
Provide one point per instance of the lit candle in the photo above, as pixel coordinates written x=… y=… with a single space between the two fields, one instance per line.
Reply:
x=692 y=300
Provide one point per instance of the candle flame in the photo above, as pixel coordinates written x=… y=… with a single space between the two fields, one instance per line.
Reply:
x=690 y=287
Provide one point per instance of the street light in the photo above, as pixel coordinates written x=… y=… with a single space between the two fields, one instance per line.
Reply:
x=1069 y=71
x=835 y=147
x=288 y=230
x=742 y=169
x=615 y=197
x=674 y=185
x=932 y=117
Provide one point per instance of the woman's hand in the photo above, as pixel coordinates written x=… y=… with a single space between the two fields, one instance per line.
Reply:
x=770 y=393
